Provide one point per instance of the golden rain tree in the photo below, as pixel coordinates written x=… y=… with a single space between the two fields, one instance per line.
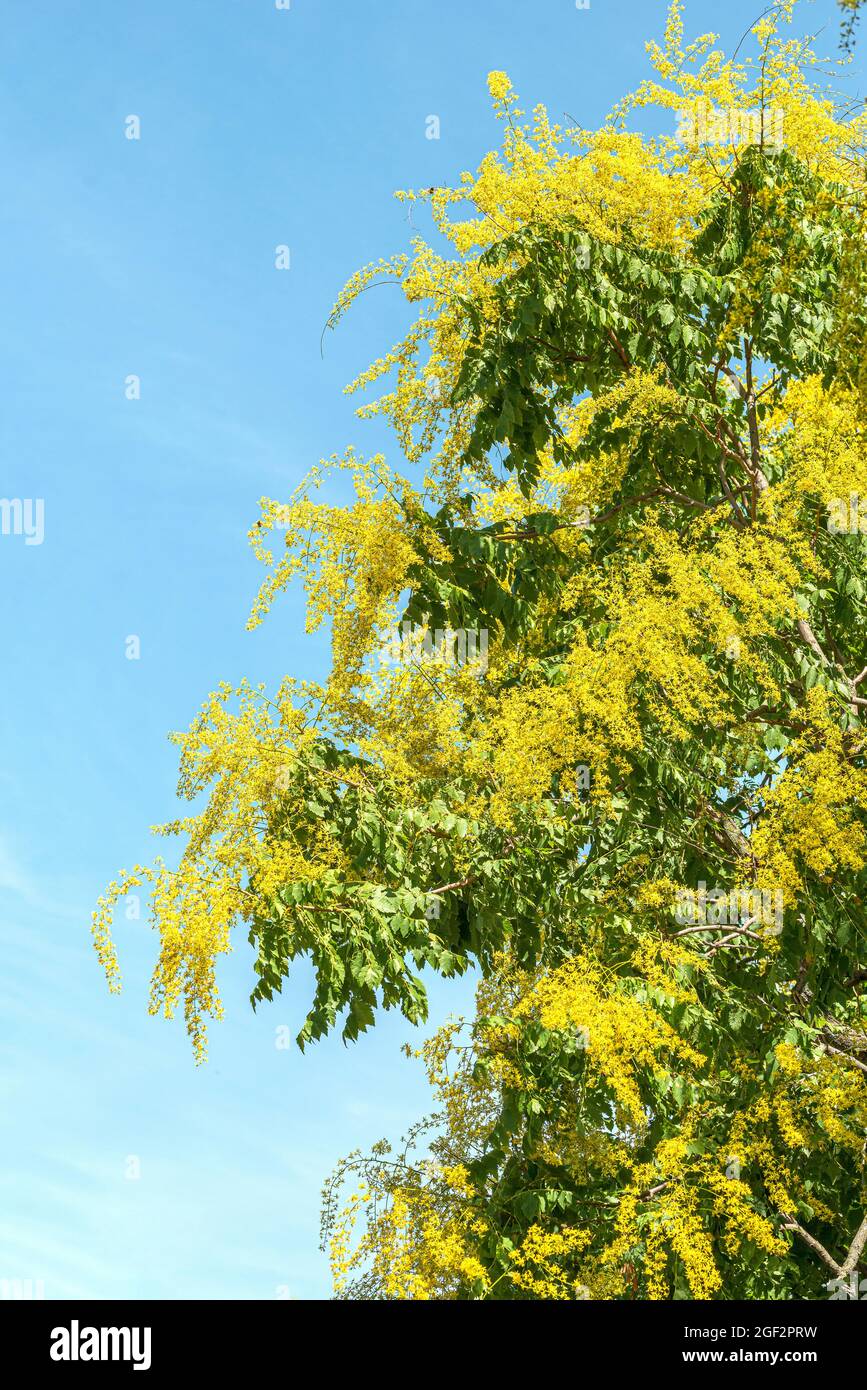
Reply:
x=595 y=722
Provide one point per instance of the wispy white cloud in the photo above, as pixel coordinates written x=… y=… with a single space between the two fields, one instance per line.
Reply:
x=13 y=876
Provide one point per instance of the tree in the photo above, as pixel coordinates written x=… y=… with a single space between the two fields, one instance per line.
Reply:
x=595 y=722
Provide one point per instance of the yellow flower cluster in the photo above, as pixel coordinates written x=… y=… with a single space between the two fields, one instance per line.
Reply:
x=415 y=1243
x=812 y=815
x=241 y=756
x=544 y=1263
x=661 y=1209
x=353 y=561
x=623 y=1034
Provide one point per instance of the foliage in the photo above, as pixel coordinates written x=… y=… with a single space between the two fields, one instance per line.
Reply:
x=631 y=403
x=851 y=12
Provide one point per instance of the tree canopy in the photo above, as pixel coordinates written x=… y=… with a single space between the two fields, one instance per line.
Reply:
x=595 y=720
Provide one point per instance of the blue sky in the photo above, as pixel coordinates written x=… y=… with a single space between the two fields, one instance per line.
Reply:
x=155 y=257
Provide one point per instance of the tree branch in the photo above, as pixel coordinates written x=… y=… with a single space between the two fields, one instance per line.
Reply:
x=790 y=1224
x=853 y=1255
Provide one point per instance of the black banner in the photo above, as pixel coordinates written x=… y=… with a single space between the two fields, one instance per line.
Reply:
x=152 y=1338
